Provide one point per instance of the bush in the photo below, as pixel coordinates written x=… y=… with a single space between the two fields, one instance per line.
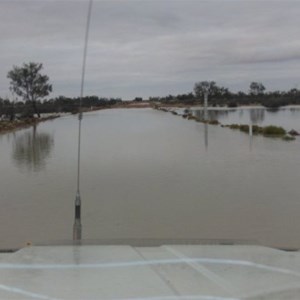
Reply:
x=257 y=129
x=244 y=128
x=232 y=104
x=234 y=126
x=273 y=102
x=213 y=122
x=273 y=130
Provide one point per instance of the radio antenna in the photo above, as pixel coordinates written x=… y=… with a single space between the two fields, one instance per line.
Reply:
x=77 y=228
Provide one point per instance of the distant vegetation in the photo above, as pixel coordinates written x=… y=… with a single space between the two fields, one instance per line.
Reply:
x=222 y=96
x=56 y=105
x=27 y=83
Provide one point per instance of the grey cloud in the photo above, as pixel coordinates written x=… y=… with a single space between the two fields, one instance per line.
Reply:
x=153 y=47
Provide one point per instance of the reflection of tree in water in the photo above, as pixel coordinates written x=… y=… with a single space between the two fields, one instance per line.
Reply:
x=241 y=113
x=212 y=114
x=273 y=110
x=31 y=149
x=206 y=135
x=257 y=115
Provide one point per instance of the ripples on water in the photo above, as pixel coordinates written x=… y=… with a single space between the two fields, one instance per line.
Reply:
x=150 y=174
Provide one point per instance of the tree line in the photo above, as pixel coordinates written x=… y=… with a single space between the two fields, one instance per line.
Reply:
x=222 y=96
x=53 y=105
x=32 y=87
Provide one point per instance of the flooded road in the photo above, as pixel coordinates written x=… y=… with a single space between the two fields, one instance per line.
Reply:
x=148 y=174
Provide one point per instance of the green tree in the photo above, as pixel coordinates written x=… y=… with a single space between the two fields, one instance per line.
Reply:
x=256 y=88
x=216 y=93
x=28 y=83
x=203 y=87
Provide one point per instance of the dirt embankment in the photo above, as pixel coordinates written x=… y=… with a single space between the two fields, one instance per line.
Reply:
x=143 y=104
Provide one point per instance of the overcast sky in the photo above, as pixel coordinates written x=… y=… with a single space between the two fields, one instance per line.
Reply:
x=153 y=47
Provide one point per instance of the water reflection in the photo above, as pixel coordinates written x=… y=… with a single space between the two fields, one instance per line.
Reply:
x=257 y=115
x=286 y=117
x=274 y=110
x=250 y=136
x=241 y=113
x=142 y=173
x=206 y=135
x=213 y=114
x=31 y=149
x=294 y=110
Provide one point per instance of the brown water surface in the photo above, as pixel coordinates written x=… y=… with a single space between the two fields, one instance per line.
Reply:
x=148 y=174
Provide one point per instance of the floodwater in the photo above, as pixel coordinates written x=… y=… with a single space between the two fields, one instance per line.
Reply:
x=148 y=174
x=286 y=117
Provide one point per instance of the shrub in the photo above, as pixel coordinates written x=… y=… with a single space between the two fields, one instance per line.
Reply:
x=234 y=126
x=257 y=129
x=213 y=122
x=244 y=128
x=273 y=130
x=232 y=104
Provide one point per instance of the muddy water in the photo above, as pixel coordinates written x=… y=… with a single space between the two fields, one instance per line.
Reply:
x=148 y=174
